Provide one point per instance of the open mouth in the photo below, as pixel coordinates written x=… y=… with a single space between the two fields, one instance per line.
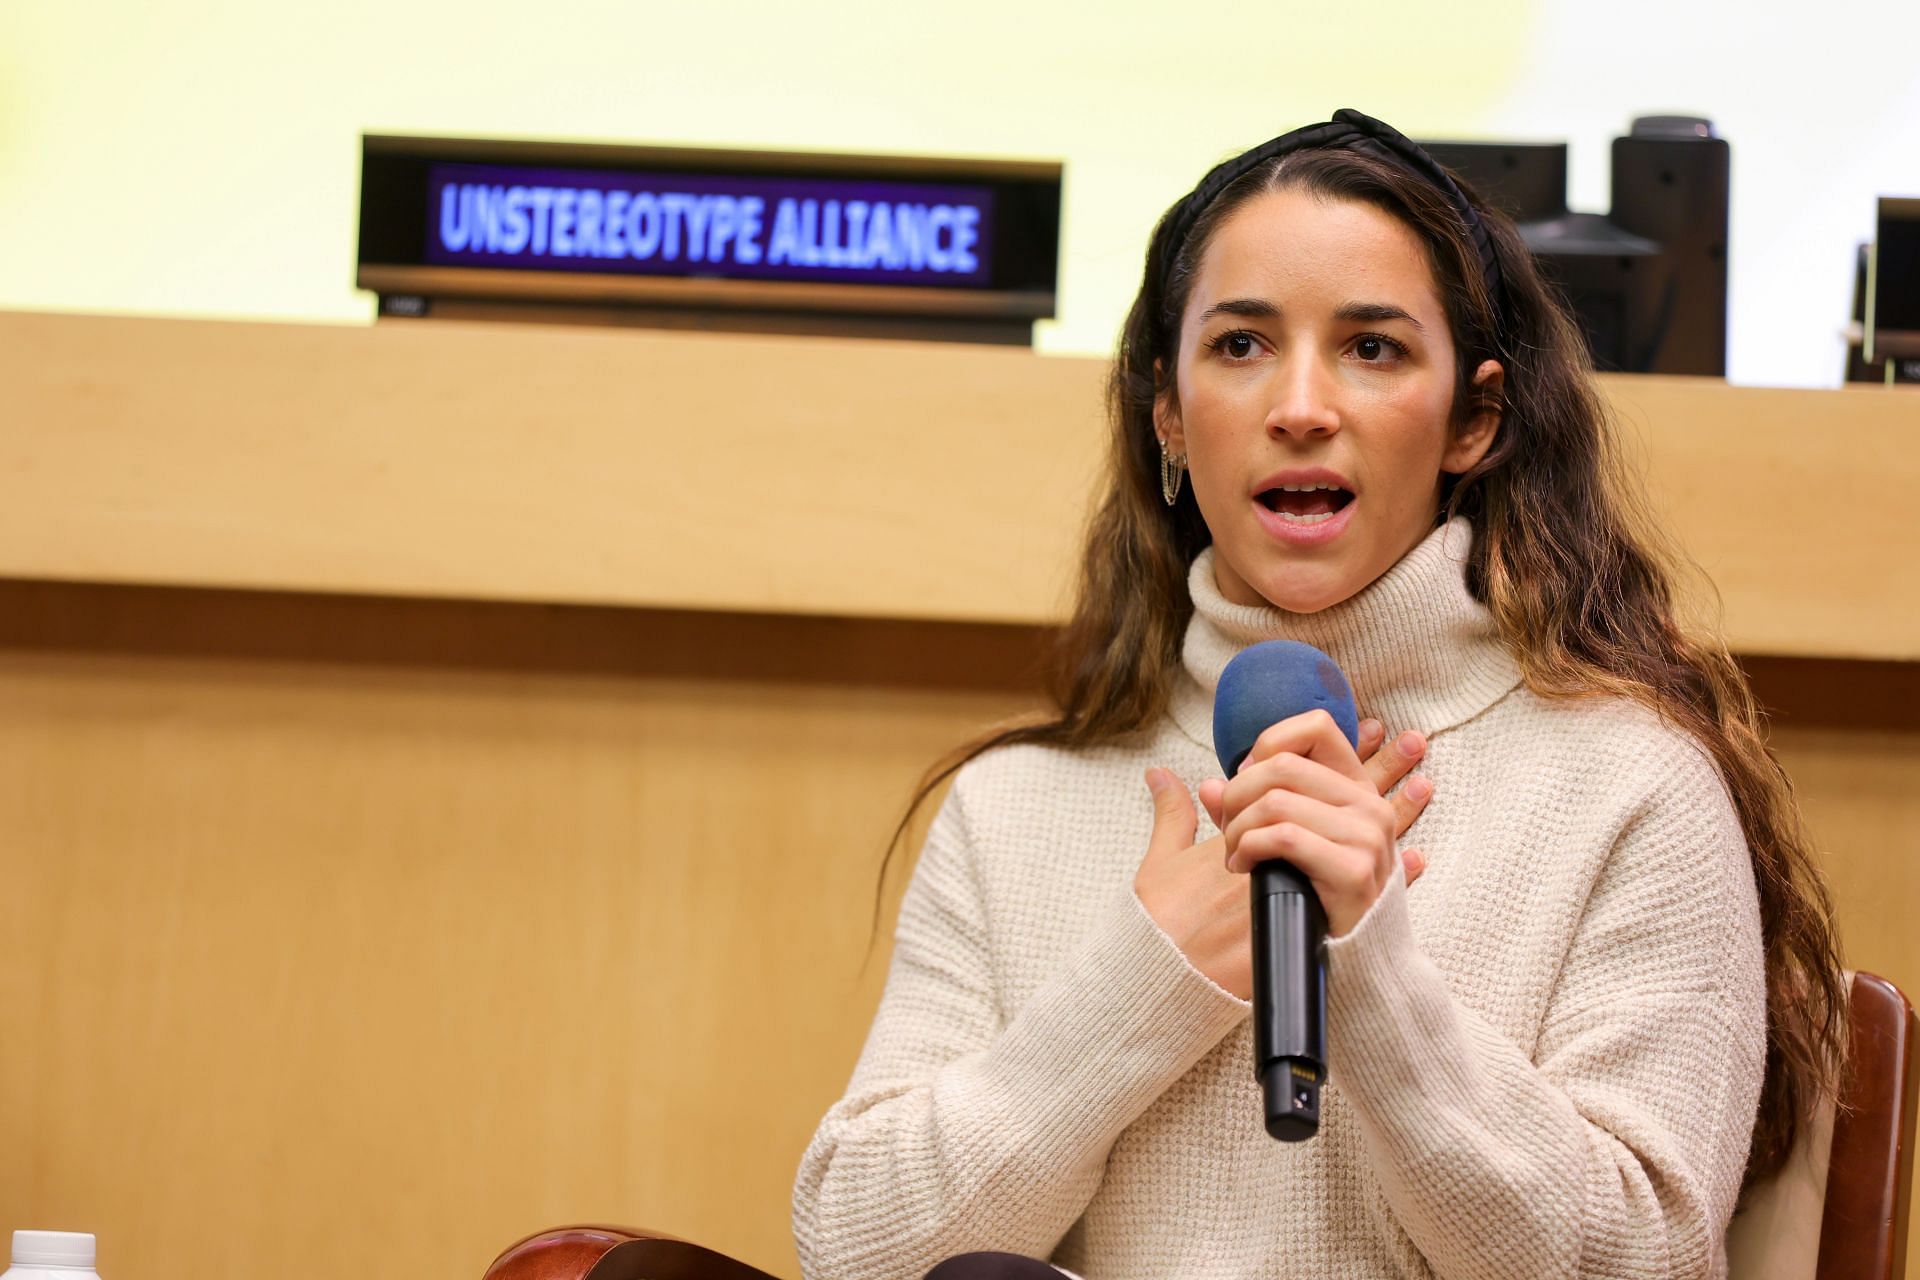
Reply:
x=1306 y=503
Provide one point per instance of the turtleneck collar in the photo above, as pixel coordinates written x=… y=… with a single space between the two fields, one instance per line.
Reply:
x=1421 y=652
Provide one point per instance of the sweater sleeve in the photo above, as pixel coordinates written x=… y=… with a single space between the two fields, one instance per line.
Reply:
x=966 y=1129
x=1618 y=1146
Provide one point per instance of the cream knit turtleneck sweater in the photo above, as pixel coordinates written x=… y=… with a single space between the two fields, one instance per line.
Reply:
x=1545 y=1055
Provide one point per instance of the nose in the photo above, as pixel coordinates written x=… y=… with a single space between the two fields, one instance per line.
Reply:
x=1303 y=400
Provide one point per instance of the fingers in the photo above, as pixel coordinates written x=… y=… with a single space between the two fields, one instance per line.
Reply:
x=1256 y=795
x=1408 y=802
x=1389 y=763
x=1394 y=760
x=1212 y=793
x=1415 y=862
x=1313 y=734
x=1298 y=774
x=1279 y=815
x=1323 y=861
x=1174 y=819
x=1302 y=785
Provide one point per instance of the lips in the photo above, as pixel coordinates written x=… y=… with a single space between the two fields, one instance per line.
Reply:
x=1305 y=505
x=1308 y=494
x=1310 y=503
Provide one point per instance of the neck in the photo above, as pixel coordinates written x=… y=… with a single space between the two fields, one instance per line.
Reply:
x=1420 y=651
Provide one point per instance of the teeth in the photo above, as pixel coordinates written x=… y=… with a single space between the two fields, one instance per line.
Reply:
x=1324 y=515
x=1308 y=488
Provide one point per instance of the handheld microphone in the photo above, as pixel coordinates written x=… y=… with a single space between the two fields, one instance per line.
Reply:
x=1263 y=685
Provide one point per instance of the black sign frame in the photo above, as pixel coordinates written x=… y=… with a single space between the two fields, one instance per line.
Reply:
x=1022 y=255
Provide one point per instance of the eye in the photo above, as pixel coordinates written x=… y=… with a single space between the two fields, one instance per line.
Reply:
x=1235 y=344
x=1377 y=348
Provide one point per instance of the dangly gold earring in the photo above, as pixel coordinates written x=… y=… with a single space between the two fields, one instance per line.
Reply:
x=1172 y=467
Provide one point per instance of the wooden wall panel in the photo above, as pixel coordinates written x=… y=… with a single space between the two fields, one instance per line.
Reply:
x=1858 y=794
x=355 y=970
x=379 y=932
x=1856 y=788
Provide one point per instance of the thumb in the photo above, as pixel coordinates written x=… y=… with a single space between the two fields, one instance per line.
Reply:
x=1174 y=821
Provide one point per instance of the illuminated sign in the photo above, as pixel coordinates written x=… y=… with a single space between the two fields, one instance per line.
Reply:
x=690 y=224
x=930 y=247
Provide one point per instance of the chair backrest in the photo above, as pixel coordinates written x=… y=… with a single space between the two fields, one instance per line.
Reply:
x=1839 y=1207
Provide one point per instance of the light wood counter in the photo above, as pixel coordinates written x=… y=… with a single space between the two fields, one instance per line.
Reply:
x=795 y=475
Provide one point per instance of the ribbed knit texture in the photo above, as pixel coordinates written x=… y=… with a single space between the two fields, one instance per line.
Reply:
x=1545 y=1054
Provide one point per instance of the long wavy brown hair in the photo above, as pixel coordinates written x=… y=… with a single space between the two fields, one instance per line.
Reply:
x=1564 y=556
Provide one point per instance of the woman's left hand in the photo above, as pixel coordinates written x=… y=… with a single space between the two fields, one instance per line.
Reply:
x=1302 y=794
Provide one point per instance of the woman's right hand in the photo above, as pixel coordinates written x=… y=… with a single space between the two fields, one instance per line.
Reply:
x=1199 y=904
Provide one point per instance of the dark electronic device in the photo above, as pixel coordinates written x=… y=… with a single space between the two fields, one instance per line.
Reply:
x=776 y=242
x=1886 y=290
x=1263 y=685
x=1890 y=327
x=1648 y=281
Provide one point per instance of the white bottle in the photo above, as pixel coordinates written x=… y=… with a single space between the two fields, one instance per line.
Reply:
x=51 y=1255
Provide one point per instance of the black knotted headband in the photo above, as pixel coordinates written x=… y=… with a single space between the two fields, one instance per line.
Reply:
x=1349 y=129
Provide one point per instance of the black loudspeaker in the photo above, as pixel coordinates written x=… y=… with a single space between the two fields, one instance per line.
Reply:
x=1671 y=184
x=1648 y=281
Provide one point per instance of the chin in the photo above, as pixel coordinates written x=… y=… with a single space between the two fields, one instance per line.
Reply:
x=1293 y=579
x=1306 y=593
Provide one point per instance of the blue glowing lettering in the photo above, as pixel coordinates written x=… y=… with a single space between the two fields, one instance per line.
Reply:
x=514 y=226
x=477 y=219
x=613 y=227
x=748 y=251
x=723 y=221
x=643 y=225
x=784 y=245
x=673 y=226
x=939 y=219
x=880 y=245
x=486 y=219
x=910 y=223
x=563 y=212
x=966 y=234
x=455 y=221
x=861 y=251
x=830 y=234
x=696 y=211
x=499 y=221
x=542 y=204
x=673 y=206
x=586 y=235
x=809 y=233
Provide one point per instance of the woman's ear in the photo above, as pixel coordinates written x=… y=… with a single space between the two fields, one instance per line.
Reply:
x=1485 y=405
x=1166 y=414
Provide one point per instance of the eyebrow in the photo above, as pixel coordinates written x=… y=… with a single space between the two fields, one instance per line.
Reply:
x=1352 y=312
x=1253 y=307
x=1375 y=313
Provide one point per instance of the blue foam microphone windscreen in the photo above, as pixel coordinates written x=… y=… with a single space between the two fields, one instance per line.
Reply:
x=1270 y=682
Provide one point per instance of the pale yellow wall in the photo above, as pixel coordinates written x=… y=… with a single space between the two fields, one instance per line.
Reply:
x=135 y=135
x=129 y=135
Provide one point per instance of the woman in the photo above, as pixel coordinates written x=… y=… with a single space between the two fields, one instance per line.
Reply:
x=1614 y=988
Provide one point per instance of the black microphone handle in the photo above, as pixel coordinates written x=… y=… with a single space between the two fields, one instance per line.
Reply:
x=1289 y=999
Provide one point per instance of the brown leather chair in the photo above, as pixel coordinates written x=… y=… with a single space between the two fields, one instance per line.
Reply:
x=1839 y=1208
x=1838 y=1211
x=614 y=1253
